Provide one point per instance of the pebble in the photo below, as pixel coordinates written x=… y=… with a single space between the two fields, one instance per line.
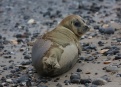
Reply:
x=106 y=77
x=27 y=57
x=88 y=72
x=14 y=42
x=84 y=81
x=90 y=37
x=66 y=82
x=112 y=69
x=99 y=81
x=75 y=78
x=78 y=70
x=107 y=30
x=117 y=57
x=107 y=62
x=59 y=85
x=100 y=43
x=1 y=85
x=22 y=78
x=90 y=58
x=112 y=50
x=28 y=83
x=103 y=51
x=31 y=21
x=9 y=80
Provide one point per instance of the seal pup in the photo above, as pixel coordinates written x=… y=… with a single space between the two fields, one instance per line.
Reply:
x=57 y=51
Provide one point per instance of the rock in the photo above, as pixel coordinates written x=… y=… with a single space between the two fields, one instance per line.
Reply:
x=28 y=83
x=90 y=58
x=1 y=85
x=103 y=51
x=79 y=70
x=14 y=42
x=22 y=78
x=1 y=47
x=27 y=57
x=31 y=21
x=88 y=72
x=112 y=69
x=84 y=81
x=87 y=46
x=107 y=30
x=106 y=77
x=118 y=39
x=66 y=82
x=107 y=62
x=113 y=50
x=105 y=26
x=117 y=57
x=115 y=25
x=100 y=43
x=99 y=81
x=90 y=37
x=9 y=80
x=59 y=85
x=0 y=36
x=75 y=78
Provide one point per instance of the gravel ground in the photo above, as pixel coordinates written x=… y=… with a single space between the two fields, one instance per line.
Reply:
x=21 y=21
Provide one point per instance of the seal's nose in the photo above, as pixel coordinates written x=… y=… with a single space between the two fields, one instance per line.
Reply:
x=86 y=28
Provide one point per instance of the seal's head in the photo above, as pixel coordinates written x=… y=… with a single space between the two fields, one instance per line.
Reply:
x=76 y=24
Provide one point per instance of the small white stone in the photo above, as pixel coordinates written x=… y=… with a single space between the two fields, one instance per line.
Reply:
x=9 y=80
x=90 y=37
x=103 y=51
x=31 y=21
x=112 y=69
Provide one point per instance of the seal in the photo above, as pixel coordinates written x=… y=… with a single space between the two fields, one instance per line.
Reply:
x=57 y=51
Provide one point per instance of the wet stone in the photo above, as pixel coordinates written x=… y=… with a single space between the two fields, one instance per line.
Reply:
x=25 y=63
x=28 y=83
x=107 y=30
x=112 y=69
x=44 y=80
x=84 y=81
x=118 y=39
x=106 y=77
x=99 y=81
x=59 y=85
x=9 y=80
x=117 y=57
x=87 y=47
x=79 y=70
x=1 y=85
x=100 y=43
x=27 y=57
x=12 y=71
x=75 y=78
x=66 y=82
x=90 y=58
x=5 y=68
x=22 y=78
x=1 y=47
x=0 y=36
x=112 y=51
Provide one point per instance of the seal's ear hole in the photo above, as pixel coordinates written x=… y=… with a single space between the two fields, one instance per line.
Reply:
x=77 y=23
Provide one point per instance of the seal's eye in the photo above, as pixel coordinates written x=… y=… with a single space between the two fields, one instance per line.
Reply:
x=77 y=23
